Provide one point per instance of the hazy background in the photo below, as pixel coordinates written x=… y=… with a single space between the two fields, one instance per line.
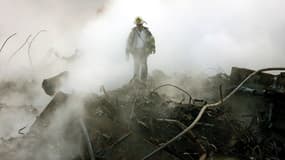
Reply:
x=191 y=36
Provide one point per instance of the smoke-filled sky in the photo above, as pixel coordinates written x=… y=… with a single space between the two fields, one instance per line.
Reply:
x=191 y=35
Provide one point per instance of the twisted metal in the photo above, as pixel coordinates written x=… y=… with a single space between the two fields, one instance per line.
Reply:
x=207 y=106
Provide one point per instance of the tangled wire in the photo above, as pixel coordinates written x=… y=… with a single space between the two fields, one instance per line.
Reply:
x=196 y=120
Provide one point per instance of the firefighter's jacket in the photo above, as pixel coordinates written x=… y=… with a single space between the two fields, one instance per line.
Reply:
x=140 y=40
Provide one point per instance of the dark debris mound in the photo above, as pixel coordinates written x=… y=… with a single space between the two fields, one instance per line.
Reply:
x=130 y=122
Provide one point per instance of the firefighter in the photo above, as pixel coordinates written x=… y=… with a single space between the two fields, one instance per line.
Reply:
x=140 y=45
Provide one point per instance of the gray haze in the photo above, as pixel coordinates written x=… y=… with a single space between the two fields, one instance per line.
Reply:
x=191 y=36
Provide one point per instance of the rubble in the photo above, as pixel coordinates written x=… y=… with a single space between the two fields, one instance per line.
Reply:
x=241 y=119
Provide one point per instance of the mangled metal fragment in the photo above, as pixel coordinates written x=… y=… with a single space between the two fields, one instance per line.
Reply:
x=45 y=118
x=53 y=84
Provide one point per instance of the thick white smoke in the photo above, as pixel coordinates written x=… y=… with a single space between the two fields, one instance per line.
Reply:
x=191 y=36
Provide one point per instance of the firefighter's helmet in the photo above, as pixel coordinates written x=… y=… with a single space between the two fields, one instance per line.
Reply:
x=139 y=20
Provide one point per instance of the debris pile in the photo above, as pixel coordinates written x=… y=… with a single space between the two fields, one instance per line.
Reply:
x=140 y=121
